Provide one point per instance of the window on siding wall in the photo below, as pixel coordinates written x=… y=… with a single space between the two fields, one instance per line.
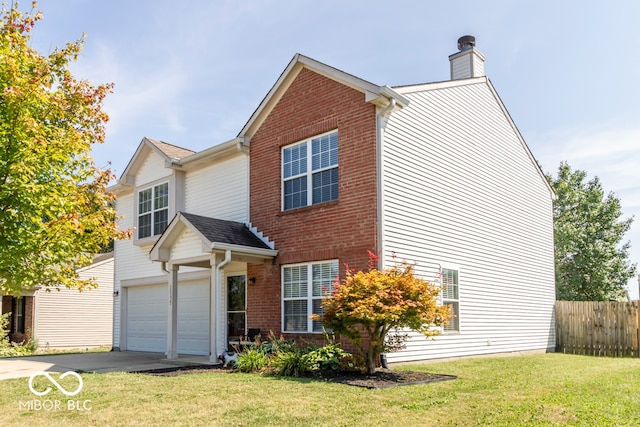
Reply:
x=303 y=288
x=153 y=210
x=310 y=171
x=450 y=288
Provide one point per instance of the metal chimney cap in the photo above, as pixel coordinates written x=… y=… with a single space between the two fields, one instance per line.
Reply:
x=466 y=42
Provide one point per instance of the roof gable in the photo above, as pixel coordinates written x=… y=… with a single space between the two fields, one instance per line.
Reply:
x=484 y=81
x=215 y=234
x=377 y=95
x=170 y=153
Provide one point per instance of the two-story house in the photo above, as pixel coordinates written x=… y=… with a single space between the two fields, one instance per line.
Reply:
x=246 y=234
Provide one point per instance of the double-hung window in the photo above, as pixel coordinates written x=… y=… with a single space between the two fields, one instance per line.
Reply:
x=303 y=288
x=310 y=171
x=450 y=296
x=153 y=210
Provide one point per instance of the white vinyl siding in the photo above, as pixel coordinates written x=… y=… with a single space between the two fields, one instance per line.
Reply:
x=152 y=169
x=72 y=319
x=459 y=187
x=310 y=171
x=303 y=288
x=220 y=190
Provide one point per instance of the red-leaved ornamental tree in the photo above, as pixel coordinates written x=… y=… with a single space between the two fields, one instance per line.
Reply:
x=366 y=306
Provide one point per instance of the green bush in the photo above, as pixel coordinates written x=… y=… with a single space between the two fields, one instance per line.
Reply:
x=277 y=345
x=289 y=364
x=252 y=360
x=326 y=358
x=10 y=349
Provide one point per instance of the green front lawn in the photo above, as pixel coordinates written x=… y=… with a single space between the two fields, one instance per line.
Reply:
x=549 y=389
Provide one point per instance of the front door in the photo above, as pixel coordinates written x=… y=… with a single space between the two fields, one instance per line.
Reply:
x=236 y=309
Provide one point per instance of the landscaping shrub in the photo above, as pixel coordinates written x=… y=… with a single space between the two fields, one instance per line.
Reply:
x=11 y=349
x=252 y=360
x=276 y=345
x=289 y=363
x=325 y=358
x=280 y=357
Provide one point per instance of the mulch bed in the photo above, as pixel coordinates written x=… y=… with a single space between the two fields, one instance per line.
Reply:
x=382 y=378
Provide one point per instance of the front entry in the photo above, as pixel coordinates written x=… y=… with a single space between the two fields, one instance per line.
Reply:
x=236 y=309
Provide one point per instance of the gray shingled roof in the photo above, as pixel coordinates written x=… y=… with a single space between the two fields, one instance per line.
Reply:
x=222 y=231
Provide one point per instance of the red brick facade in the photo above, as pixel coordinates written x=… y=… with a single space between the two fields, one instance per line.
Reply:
x=343 y=229
x=7 y=307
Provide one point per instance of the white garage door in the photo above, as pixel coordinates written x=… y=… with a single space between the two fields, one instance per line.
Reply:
x=147 y=309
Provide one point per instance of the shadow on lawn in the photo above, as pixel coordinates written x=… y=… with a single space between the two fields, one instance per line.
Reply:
x=382 y=378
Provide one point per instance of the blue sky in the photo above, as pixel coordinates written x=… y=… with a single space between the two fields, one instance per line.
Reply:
x=191 y=73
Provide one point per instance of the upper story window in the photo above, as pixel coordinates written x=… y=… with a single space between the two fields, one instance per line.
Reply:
x=153 y=210
x=310 y=171
x=303 y=288
x=450 y=296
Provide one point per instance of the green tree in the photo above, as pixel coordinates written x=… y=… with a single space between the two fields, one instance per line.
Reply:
x=592 y=263
x=366 y=306
x=55 y=212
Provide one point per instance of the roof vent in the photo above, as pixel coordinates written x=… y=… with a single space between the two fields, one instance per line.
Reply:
x=466 y=42
x=467 y=63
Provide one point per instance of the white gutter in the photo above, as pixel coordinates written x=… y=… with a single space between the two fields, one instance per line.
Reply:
x=211 y=151
x=248 y=250
x=241 y=148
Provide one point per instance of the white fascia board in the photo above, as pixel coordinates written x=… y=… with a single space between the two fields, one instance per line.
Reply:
x=375 y=94
x=211 y=153
x=338 y=75
x=260 y=252
x=120 y=188
x=146 y=145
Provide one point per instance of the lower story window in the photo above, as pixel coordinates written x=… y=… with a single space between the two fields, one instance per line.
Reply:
x=19 y=308
x=303 y=288
x=450 y=297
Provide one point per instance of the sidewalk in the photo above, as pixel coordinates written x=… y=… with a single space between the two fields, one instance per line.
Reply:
x=113 y=361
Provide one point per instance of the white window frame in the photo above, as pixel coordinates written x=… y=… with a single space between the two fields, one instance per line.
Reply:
x=309 y=297
x=451 y=300
x=309 y=172
x=153 y=211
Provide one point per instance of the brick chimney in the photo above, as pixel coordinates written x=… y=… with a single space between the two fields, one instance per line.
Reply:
x=467 y=63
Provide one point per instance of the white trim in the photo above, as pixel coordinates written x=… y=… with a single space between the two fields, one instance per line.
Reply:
x=136 y=200
x=309 y=297
x=308 y=175
x=455 y=267
x=225 y=299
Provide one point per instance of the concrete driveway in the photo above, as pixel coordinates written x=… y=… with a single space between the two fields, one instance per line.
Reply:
x=123 y=361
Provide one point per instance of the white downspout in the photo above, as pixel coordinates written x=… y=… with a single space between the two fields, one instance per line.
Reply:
x=380 y=137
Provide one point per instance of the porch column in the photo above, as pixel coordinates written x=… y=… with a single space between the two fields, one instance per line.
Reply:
x=213 y=315
x=172 y=318
x=218 y=322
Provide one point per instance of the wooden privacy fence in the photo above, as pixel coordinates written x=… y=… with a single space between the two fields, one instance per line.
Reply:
x=598 y=328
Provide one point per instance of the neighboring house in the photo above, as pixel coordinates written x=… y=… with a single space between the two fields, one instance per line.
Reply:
x=63 y=317
x=246 y=234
